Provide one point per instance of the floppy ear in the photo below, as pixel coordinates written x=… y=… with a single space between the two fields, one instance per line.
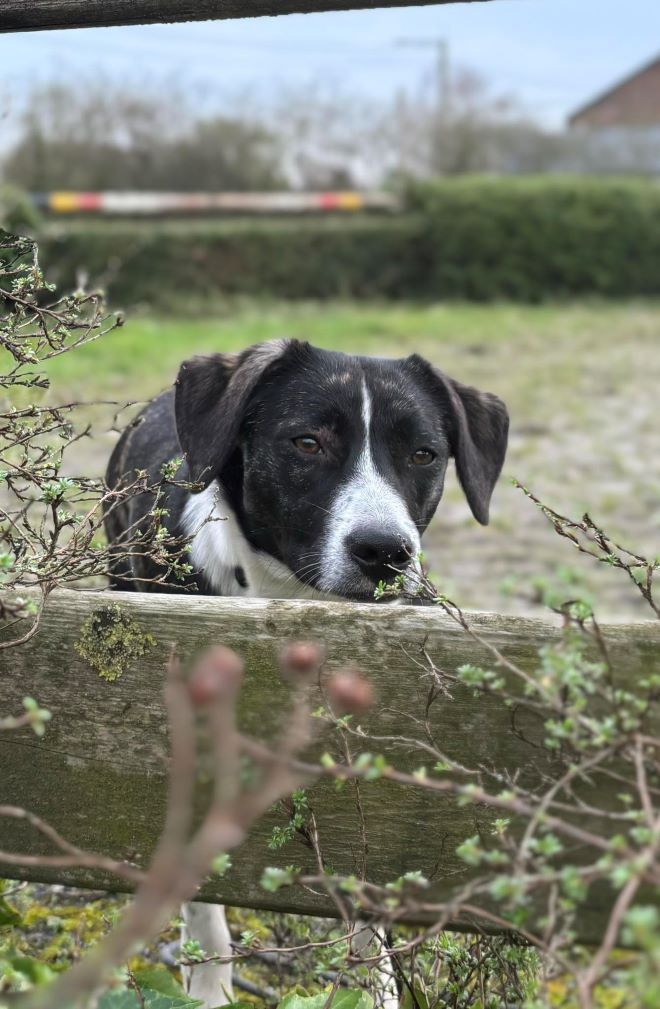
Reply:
x=210 y=398
x=478 y=427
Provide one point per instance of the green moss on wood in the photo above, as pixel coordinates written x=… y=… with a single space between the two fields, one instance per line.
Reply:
x=111 y=641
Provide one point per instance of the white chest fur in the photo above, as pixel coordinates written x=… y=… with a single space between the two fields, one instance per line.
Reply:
x=222 y=553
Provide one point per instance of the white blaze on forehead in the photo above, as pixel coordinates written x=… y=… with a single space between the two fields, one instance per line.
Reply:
x=365 y=501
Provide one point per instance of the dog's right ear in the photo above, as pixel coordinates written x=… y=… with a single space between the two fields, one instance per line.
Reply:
x=477 y=426
x=211 y=395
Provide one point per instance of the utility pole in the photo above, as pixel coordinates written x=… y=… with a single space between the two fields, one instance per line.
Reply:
x=443 y=80
x=441 y=128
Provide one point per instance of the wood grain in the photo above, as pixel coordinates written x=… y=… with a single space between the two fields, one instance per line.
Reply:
x=99 y=772
x=20 y=16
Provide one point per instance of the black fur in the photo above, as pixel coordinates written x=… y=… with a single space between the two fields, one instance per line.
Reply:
x=235 y=419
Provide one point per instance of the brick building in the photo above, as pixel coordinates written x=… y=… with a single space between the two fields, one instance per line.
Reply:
x=632 y=102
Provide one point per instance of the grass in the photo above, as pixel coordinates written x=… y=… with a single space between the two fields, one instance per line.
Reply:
x=150 y=349
x=144 y=354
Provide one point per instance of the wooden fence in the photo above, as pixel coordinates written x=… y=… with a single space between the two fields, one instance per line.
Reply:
x=98 y=774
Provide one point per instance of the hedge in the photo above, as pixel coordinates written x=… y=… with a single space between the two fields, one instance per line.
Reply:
x=164 y=263
x=473 y=238
x=528 y=239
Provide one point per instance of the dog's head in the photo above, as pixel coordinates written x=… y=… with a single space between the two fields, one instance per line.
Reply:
x=334 y=464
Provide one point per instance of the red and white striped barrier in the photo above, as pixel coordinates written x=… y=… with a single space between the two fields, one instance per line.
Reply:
x=139 y=203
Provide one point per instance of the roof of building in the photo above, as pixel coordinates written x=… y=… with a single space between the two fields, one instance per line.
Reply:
x=612 y=90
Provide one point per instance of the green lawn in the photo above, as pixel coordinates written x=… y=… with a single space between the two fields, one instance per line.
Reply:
x=145 y=353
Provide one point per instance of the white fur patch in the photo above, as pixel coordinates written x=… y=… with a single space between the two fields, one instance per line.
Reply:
x=365 y=500
x=219 y=547
x=211 y=983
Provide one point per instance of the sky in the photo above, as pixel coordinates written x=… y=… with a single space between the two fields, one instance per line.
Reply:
x=552 y=55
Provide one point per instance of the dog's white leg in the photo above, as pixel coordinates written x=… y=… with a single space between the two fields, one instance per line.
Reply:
x=208 y=982
x=368 y=941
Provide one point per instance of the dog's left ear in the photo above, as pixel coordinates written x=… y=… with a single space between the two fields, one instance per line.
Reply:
x=211 y=396
x=478 y=428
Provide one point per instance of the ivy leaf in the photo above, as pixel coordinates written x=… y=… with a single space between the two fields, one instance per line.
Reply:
x=35 y=972
x=420 y=1000
x=9 y=916
x=342 y=999
x=124 y=998
x=158 y=979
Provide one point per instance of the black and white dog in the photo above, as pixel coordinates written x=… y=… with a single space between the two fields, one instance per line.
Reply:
x=322 y=470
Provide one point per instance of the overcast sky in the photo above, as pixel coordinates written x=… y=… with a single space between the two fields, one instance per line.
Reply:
x=553 y=55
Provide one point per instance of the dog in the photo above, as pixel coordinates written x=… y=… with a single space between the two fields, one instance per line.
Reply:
x=304 y=473
x=322 y=469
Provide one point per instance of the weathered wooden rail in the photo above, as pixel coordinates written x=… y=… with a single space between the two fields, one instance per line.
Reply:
x=98 y=774
x=19 y=15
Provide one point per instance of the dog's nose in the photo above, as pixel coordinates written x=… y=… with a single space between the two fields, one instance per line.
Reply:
x=379 y=555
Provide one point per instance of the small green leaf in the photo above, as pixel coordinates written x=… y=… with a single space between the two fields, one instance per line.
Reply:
x=221 y=864
x=272 y=878
x=9 y=916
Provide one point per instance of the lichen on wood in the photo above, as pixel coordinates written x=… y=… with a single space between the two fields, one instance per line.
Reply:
x=111 y=641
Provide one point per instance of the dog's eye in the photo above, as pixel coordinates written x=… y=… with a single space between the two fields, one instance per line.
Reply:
x=307 y=444
x=423 y=456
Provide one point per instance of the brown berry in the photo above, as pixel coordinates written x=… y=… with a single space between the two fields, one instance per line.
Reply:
x=350 y=693
x=301 y=659
x=216 y=674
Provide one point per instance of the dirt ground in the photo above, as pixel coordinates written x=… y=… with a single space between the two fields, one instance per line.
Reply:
x=582 y=383
x=585 y=436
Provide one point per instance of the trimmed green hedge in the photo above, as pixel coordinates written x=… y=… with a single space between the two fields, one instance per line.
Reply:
x=473 y=238
x=162 y=264
x=529 y=239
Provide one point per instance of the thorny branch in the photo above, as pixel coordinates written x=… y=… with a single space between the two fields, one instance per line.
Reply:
x=185 y=854
x=589 y=538
x=51 y=525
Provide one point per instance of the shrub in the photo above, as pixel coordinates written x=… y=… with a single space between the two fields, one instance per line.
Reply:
x=163 y=263
x=527 y=239
x=17 y=211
